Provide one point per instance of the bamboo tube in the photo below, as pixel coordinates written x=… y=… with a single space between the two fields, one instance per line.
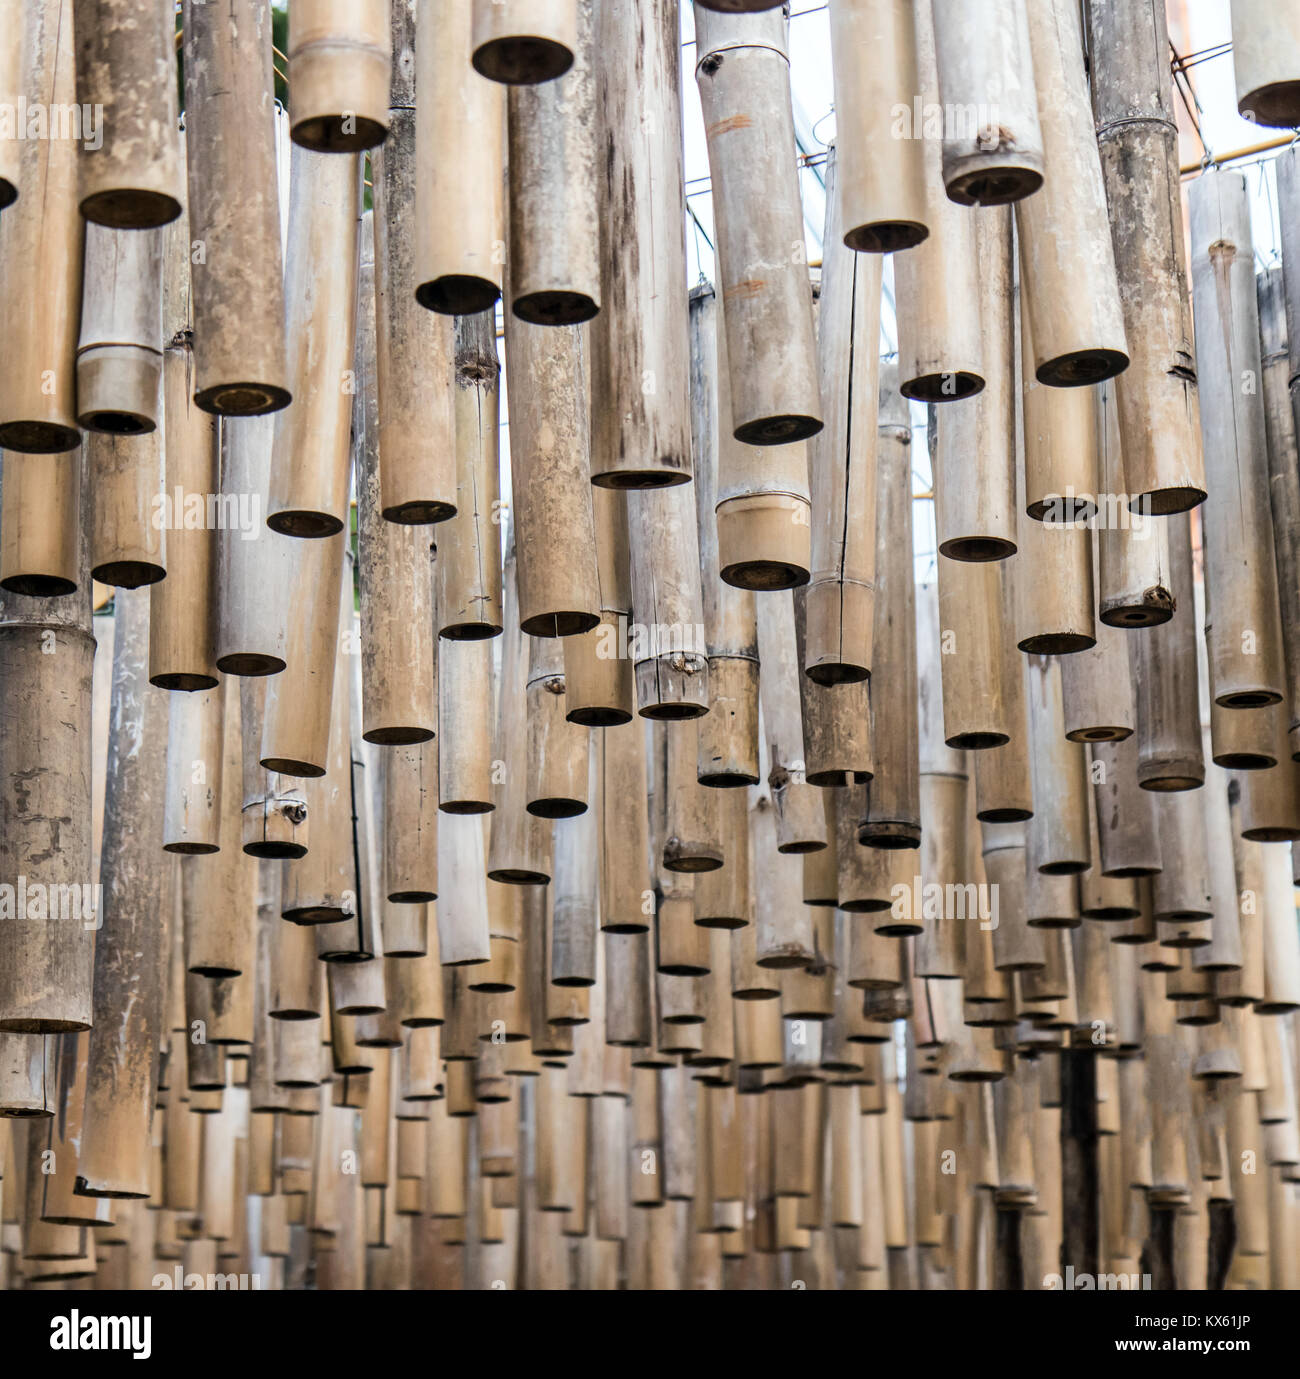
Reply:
x=692 y=839
x=1097 y=691
x=1078 y=326
x=47 y=845
x=986 y=67
x=418 y=456
x=131 y=948
x=559 y=585
x=296 y=720
x=309 y=466
x=843 y=468
x=41 y=532
x=11 y=63
x=274 y=812
x=1170 y=753
x=574 y=941
x=882 y=184
x=742 y=72
x=801 y=823
x=975 y=708
x=551 y=126
x=1243 y=629
x=239 y=342
x=557 y=749
x=1245 y=739
x=1126 y=816
x=1266 y=62
x=119 y=350
x=410 y=824
x=1270 y=799
x=761 y=499
x=1280 y=939
x=940 y=341
x=460 y=248
x=462 y=909
x=1003 y=786
x=44 y=233
x=192 y=809
x=836 y=720
x=468 y=567
x=729 y=731
x=1058 y=832
x=126 y=70
x=182 y=622
x=641 y=436
x=253 y=562
x=669 y=654
x=975 y=504
x=1134 y=107
x=27 y=1090
x=624 y=880
x=126 y=480
x=893 y=815
x=599 y=682
x=340 y=59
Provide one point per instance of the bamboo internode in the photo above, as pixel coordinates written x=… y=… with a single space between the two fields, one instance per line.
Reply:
x=339 y=64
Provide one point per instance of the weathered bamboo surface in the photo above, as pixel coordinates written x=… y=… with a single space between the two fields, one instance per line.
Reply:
x=556 y=822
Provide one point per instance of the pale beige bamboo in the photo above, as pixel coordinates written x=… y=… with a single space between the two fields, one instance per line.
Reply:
x=1266 y=63
x=126 y=72
x=557 y=749
x=410 y=823
x=310 y=463
x=1055 y=601
x=1126 y=815
x=1058 y=832
x=626 y=899
x=1067 y=260
x=192 y=810
x=462 y=909
x=883 y=177
x=460 y=158
x=525 y=43
x=969 y=649
x=44 y=232
x=599 y=682
x=641 y=435
x=40 y=532
x=11 y=66
x=1003 y=785
x=126 y=481
x=464 y=718
x=241 y=366
x=339 y=63
x=274 y=811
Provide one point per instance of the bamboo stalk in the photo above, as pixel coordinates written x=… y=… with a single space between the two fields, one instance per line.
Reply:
x=625 y=891
x=127 y=69
x=192 y=809
x=1266 y=62
x=1058 y=832
x=241 y=365
x=526 y=44
x=11 y=65
x=340 y=57
x=40 y=533
x=460 y=155
x=641 y=435
x=274 y=812
x=126 y=480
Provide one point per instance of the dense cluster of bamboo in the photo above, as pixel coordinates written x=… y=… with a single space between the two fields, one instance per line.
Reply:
x=637 y=877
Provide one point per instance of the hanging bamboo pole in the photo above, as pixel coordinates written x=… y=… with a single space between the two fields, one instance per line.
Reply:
x=126 y=68
x=626 y=898
x=11 y=76
x=1003 y=784
x=460 y=156
x=877 y=68
x=468 y=567
x=641 y=436
x=552 y=163
x=975 y=709
x=599 y=684
x=192 y=808
x=241 y=367
x=742 y=72
x=836 y=721
x=1058 y=832
x=1266 y=62
x=274 y=811
x=1243 y=628
x=309 y=467
x=40 y=532
x=1066 y=254
x=844 y=463
x=985 y=66
x=1133 y=101
x=47 y=940
x=43 y=232
x=126 y=481
x=131 y=949
x=557 y=749
x=464 y=718
x=410 y=823
x=340 y=59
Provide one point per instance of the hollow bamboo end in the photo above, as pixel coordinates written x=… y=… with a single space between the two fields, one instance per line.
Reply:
x=1057 y=643
x=191 y=849
x=249 y=663
x=559 y=624
x=1147 y=614
x=886 y=236
x=130 y=574
x=39 y=437
x=764 y=542
x=519 y=876
x=1007 y=814
x=304 y=523
x=1271 y=833
x=1100 y=732
x=522 y=60
x=242 y=399
x=1276 y=105
x=942 y=387
x=640 y=479
x=556 y=808
x=1164 y=502
x=8 y=193
x=727 y=780
x=1080 y=368
x=187 y=681
x=981 y=182
x=1248 y=698
x=1244 y=761
x=889 y=833
x=555 y=308
x=420 y=512
x=597 y=717
x=278 y=851
x=783 y=429
x=977 y=742
x=290 y=766
x=1064 y=868
x=470 y=631
x=458 y=294
x=399 y=735
x=349 y=133
x=24 y=1025
x=38 y=586
x=130 y=208
x=481 y=807
x=977 y=549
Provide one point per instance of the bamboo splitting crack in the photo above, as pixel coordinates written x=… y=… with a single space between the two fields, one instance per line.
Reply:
x=636 y=877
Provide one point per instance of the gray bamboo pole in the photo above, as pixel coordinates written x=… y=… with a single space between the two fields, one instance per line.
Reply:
x=274 y=811
x=893 y=816
x=126 y=481
x=44 y=232
x=1096 y=686
x=309 y=467
x=40 y=532
x=524 y=42
x=192 y=809
x=836 y=721
x=1058 y=832
x=742 y=70
x=552 y=164
x=626 y=896
x=465 y=727
x=1065 y=244
x=1243 y=627
x=47 y=650
x=340 y=58
x=558 y=750
x=460 y=156
x=986 y=70
x=1003 y=785
x=599 y=681
x=410 y=823
x=241 y=367
x=729 y=732
x=876 y=67
x=1126 y=815
x=639 y=361
x=1133 y=102
x=468 y=567
x=843 y=468
x=131 y=949
x=1266 y=62
x=126 y=67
